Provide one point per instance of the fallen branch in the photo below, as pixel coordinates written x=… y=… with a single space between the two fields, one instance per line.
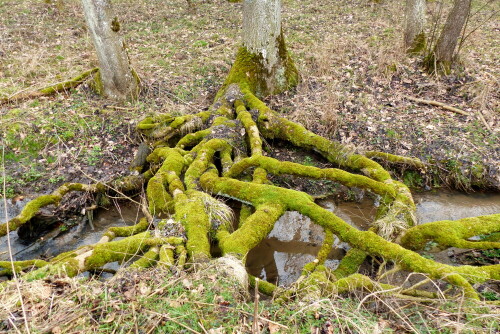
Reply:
x=50 y=90
x=437 y=104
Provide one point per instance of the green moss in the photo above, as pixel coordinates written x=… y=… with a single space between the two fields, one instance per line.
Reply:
x=418 y=45
x=449 y=233
x=253 y=230
x=190 y=211
x=126 y=231
x=147 y=260
x=120 y=250
x=350 y=263
x=264 y=286
x=181 y=252
x=72 y=83
x=166 y=256
x=250 y=72
x=20 y=266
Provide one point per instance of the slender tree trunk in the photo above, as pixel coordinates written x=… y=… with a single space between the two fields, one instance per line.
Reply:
x=116 y=78
x=444 y=52
x=262 y=37
x=415 y=23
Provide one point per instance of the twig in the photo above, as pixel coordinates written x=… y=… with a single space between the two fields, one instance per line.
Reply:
x=255 y=324
x=437 y=104
x=174 y=321
x=481 y=117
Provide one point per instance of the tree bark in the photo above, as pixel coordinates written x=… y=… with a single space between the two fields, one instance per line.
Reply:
x=262 y=37
x=444 y=52
x=116 y=78
x=414 y=36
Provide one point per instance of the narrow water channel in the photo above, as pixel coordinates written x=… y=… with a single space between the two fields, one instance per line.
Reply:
x=293 y=242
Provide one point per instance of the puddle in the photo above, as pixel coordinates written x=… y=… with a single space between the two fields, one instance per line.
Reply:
x=295 y=240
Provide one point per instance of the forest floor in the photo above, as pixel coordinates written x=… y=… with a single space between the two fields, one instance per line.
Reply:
x=355 y=80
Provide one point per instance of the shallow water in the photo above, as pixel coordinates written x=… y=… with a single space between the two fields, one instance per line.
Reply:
x=293 y=242
x=57 y=241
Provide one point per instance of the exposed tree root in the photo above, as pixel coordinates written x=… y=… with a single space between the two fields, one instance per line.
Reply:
x=197 y=158
x=50 y=90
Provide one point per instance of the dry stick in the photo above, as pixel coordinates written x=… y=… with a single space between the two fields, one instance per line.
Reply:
x=173 y=320
x=481 y=117
x=4 y=189
x=255 y=325
x=437 y=104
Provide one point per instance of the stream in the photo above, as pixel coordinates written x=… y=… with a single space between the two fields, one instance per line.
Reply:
x=279 y=258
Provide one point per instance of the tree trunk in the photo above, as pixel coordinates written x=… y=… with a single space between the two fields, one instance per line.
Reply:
x=415 y=23
x=263 y=41
x=116 y=78
x=444 y=52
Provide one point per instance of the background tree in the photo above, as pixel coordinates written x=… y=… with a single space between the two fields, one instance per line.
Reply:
x=442 y=56
x=414 y=36
x=115 y=79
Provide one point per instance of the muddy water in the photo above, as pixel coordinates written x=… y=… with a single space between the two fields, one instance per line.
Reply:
x=295 y=240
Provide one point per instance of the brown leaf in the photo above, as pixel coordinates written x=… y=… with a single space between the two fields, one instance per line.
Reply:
x=273 y=328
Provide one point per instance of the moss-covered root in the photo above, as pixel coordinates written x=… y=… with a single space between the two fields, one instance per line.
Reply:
x=31 y=209
x=350 y=263
x=277 y=167
x=250 y=127
x=125 y=231
x=149 y=259
x=271 y=125
x=456 y=233
x=20 y=266
x=166 y=256
x=395 y=159
x=165 y=126
x=253 y=230
x=264 y=286
x=365 y=241
x=166 y=182
x=50 y=90
x=190 y=211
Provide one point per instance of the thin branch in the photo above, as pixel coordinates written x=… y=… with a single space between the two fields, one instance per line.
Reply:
x=437 y=104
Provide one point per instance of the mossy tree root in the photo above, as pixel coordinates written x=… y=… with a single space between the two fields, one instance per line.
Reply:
x=448 y=233
x=137 y=241
x=50 y=90
x=219 y=152
x=32 y=208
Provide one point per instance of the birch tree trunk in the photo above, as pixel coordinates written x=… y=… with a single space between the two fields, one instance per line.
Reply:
x=263 y=37
x=415 y=23
x=116 y=78
x=444 y=52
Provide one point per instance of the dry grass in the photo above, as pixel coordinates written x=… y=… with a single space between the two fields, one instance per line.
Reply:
x=204 y=300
